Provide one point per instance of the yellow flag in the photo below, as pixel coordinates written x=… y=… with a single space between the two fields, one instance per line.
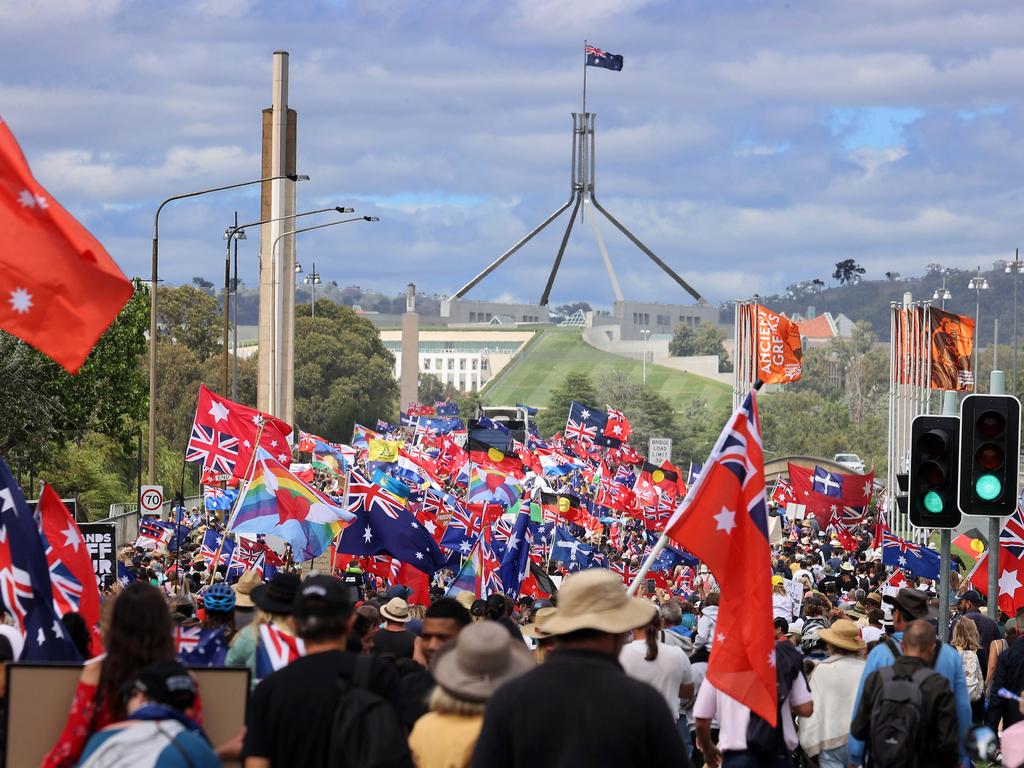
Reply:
x=383 y=450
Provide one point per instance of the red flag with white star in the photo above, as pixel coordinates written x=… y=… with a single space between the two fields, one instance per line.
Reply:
x=66 y=546
x=724 y=522
x=226 y=419
x=59 y=289
x=1011 y=566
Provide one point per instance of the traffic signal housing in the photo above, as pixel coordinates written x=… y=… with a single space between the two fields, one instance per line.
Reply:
x=932 y=492
x=989 y=454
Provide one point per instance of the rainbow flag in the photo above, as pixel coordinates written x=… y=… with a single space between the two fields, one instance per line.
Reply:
x=493 y=487
x=480 y=572
x=276 y=501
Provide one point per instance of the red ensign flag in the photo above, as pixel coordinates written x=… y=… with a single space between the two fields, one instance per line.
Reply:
x=59 y=289
x=725 y=524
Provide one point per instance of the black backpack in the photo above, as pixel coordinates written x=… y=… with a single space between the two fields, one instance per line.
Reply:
x=895 y=739
x=367 y=732
x=762 y=738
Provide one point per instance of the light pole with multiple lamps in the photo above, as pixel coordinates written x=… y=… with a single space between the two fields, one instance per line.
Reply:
x=977 y=284
x=275 y=358
x=942 y=294
x=153 y=301
x=1015 y=267
x=234 y=234
x=312 y=280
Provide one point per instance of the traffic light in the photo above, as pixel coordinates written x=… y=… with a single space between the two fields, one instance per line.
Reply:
x=989 y=454
x=933 y=471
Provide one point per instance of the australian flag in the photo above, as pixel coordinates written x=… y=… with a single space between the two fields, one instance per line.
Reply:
x=25 y=578
x=919 y=561
x=587 y=425
x=201 y=647
x=384 y=527
x=598 y=58
x=447 y=408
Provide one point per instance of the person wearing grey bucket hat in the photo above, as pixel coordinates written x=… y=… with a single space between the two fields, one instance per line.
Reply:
x=468 y=670
x=615 y=720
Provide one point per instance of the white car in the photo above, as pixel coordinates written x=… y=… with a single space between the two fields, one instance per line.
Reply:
x=850 y=461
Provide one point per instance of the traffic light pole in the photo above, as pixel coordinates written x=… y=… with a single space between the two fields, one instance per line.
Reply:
x=949 y=408
x=996 y=386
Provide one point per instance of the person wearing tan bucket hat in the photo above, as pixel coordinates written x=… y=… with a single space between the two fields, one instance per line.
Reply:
x=615 y=720
x=833 y=684
x=245 y=608
x=393 y=640
x=467 y=671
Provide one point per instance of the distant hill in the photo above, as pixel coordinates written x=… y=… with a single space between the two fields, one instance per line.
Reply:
x=869 y=299
x=541 y=367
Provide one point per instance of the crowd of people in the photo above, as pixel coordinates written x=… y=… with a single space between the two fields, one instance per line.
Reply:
x=353 y=662
x=588 y=676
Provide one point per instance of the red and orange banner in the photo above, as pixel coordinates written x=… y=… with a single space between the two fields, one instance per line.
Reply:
x=777 y=349
x=952 y=344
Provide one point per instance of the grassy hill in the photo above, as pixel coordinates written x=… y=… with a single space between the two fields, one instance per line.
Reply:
x=537 y=370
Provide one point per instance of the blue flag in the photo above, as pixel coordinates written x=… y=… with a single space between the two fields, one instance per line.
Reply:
x=25 y=578
x=916 y=559
x=201 y=647
x=570 y=551
x=515 y=562
x=384 y=526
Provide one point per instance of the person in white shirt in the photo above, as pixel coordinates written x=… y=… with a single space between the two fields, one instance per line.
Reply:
x=734 y=717
x=664 y=667
x=872 y=632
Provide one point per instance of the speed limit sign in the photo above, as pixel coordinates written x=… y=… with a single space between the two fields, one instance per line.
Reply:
x=152 y=499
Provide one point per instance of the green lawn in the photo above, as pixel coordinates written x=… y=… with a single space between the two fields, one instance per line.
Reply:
x=532 y=375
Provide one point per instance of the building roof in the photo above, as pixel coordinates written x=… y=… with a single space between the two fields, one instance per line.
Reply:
x=820 y=327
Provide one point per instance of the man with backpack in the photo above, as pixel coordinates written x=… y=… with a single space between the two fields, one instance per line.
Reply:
x=907 y=714
x=329 y=707
x=909 y=605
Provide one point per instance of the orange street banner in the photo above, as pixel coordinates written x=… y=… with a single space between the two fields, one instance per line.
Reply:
x=778 y=350
x=952 y=340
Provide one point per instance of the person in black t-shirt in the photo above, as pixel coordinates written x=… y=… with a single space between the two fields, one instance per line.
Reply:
x=291 y=712
x=394 y=640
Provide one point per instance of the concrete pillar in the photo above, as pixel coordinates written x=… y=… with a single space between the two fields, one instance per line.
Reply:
x=409 y=382
x=277 y=278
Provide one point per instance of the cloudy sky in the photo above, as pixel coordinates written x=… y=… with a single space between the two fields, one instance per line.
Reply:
x=749 y=144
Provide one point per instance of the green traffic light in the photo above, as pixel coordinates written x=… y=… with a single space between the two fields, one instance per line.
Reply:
x=988 y=487
x=933 y=502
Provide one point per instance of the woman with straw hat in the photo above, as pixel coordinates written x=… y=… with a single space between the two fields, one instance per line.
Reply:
x=467 y=671
x=833 y=684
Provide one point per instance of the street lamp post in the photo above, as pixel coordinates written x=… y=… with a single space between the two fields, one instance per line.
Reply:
x=153 y=300
x=942 y=294
x=1016 y=267
x=645 y=334
x=977 y=284
x=234 y=234
x=275 y=373
x=312 y=280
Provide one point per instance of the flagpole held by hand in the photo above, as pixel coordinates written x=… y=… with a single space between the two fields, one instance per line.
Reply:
x=663 y=540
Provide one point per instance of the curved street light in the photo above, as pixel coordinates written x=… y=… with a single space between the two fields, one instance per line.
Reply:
x=275 y=378
x=153 y=303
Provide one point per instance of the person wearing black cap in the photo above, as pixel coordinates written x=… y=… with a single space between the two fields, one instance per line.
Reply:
x=159 y=729
x=968 y=606
x=910 y=605
x=291 y=715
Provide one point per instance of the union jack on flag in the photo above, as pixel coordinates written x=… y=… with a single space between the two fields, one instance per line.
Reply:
x=67 y=590
x=217 y=450
x=367 y=495
x=579 y=431
x=186 y=638
x=1011 y=538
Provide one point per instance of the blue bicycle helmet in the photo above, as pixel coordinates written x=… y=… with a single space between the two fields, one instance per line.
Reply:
x=219 y=597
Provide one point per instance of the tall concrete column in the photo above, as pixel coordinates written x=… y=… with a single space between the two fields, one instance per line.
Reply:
x=408 y=384
x=277 y=277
